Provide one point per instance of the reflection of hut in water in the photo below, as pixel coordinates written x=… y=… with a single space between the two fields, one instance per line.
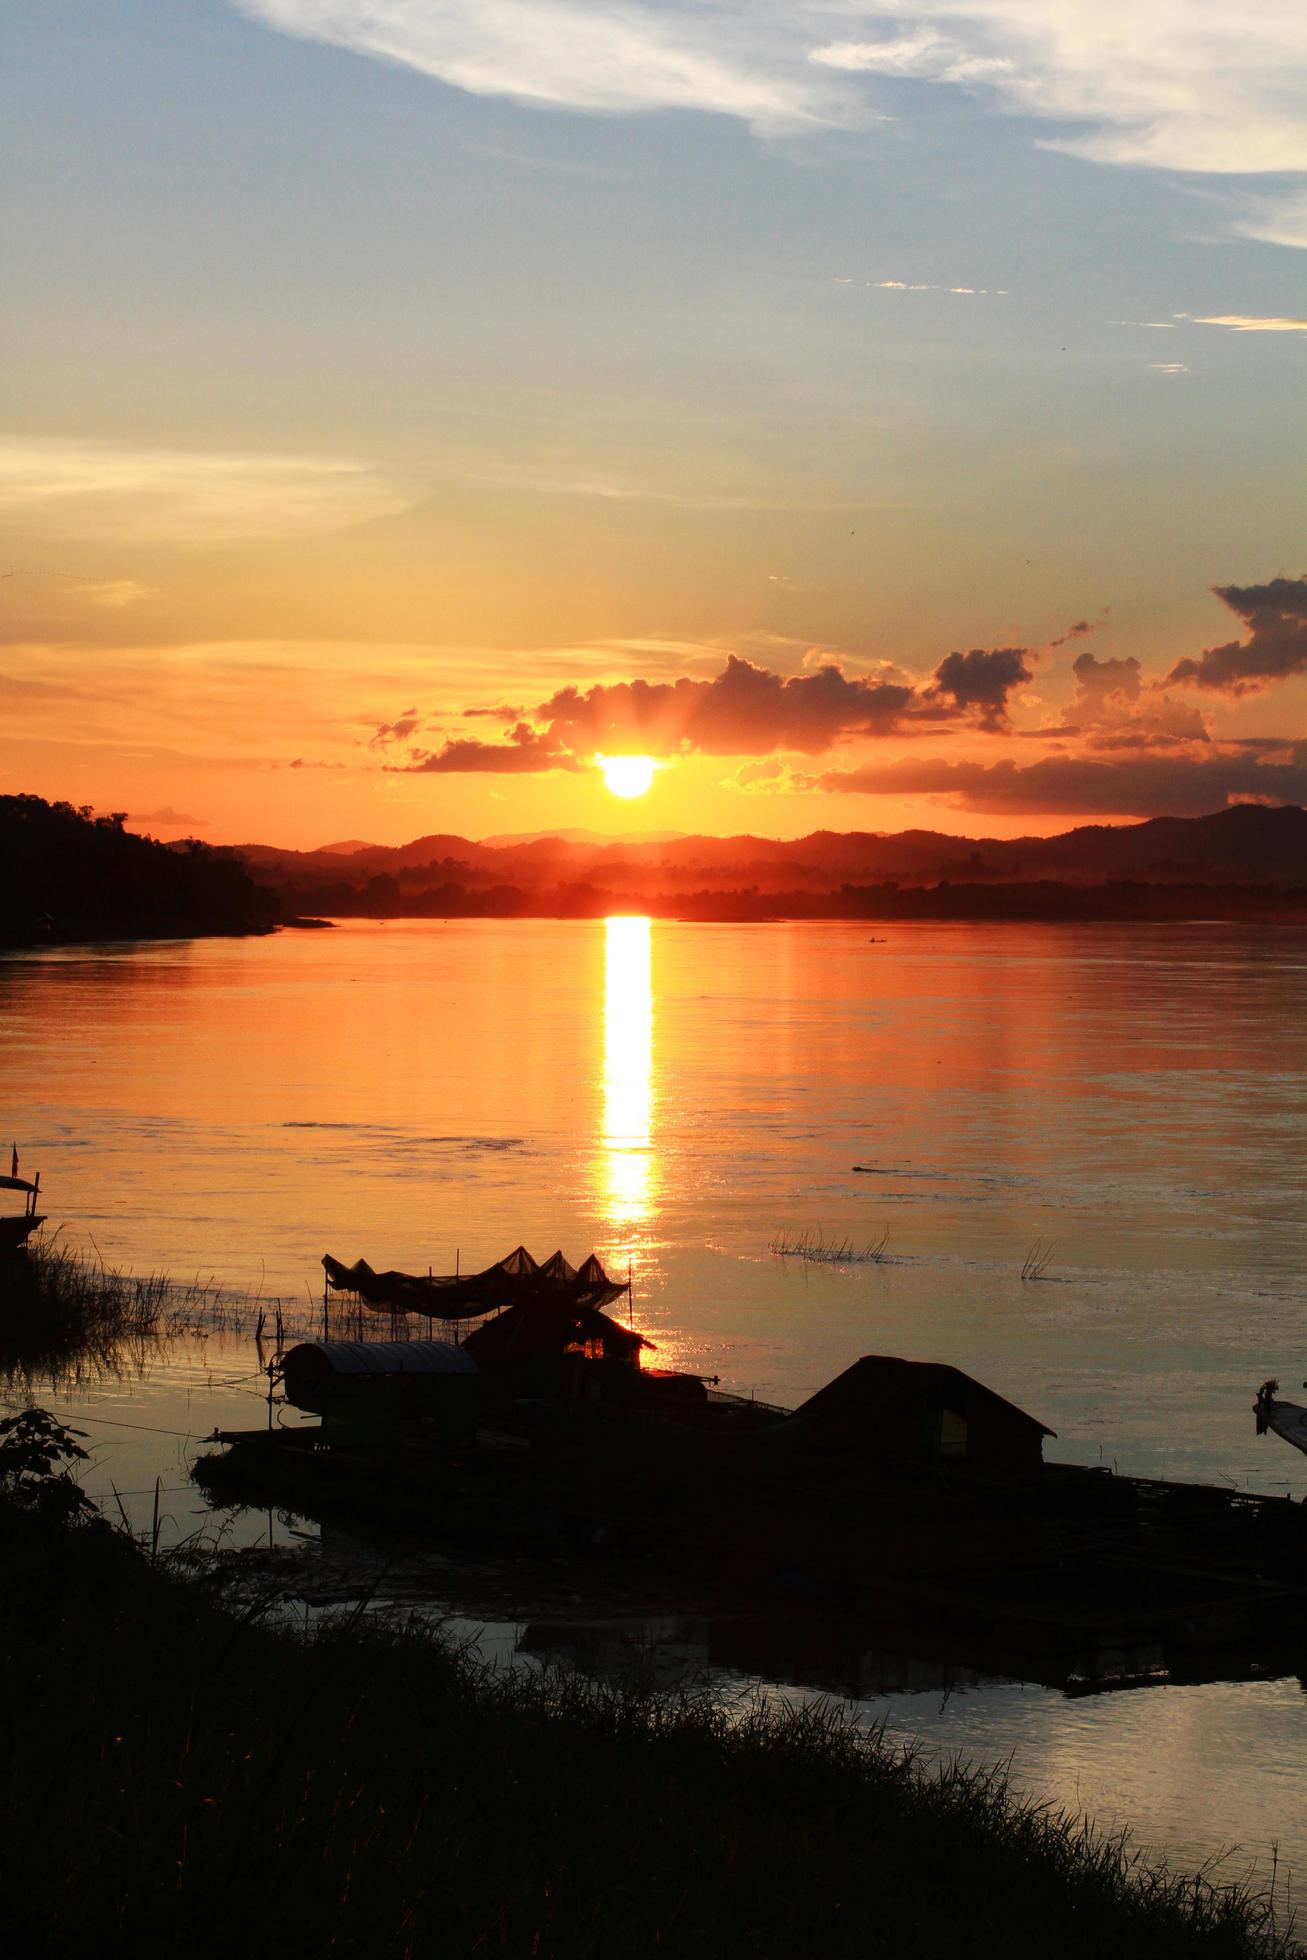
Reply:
x=922 y=1412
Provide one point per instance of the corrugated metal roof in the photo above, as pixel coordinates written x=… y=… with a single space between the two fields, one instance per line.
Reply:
x=381 y=1358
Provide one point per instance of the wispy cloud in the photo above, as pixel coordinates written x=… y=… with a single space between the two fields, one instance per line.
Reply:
x=1073 y=785
x=574 y=54
x=1190 y=85
x=1245 y=322
x=168 y=819
x=923 y=286
x=105 y=490
x=1180 y=85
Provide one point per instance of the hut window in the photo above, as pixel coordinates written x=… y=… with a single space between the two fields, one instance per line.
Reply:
x=952 y=1433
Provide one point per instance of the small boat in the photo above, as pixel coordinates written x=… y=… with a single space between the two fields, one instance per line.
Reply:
x=16 y=1228
x=1287 y=1419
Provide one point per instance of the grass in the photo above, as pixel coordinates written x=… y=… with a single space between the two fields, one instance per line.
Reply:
x=66 y=1317
x=177 y=1778
x=821 y=1251
x=64 y=1313
x=1036 y=1263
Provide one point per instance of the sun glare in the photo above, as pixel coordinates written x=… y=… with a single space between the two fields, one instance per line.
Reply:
x=627 y=775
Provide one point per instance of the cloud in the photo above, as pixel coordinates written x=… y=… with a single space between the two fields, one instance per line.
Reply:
x=981 y=679
x=1079 y=631
x=1276 y=646
x=526 y=752
x=770 y=777
x=1143 y=786
x=745 y=709
x=502 y=713
x=1246 y=322
x=574 y=54
x=1276 y=219
x=169 y=819
x=107 y=491
x=1190 y=85
x=114 y=593
x=1116 y=710
x=923 y=286
x=399 y=730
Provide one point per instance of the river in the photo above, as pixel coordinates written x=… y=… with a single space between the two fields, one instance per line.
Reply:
x=1125 y=1103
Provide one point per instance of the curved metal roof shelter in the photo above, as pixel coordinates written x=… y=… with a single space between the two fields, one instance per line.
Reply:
x=378 y=1358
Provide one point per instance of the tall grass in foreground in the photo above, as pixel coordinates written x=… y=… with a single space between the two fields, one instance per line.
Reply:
x=178 y=1779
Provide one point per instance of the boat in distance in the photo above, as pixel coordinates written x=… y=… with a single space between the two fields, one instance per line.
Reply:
x=16 y=1228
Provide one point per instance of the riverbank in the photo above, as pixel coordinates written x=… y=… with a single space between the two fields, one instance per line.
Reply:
x=184 y=1779
x=72 y=877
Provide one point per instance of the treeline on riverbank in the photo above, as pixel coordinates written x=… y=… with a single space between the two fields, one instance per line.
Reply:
x=1044 y=900
x=183 y=1778
x=68 y=875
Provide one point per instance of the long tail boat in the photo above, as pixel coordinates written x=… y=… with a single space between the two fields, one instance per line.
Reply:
x=16 y=1228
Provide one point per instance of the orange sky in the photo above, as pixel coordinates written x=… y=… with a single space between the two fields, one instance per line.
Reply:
x=368 y=406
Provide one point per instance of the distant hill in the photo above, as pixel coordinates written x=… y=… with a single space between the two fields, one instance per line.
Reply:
x=582 y=837
x=1240 y=860
x=347 y=849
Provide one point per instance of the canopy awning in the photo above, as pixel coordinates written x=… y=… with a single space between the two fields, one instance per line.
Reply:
x=511 y=1282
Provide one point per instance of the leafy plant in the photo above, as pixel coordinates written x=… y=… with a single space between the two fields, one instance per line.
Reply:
x=36 y=1455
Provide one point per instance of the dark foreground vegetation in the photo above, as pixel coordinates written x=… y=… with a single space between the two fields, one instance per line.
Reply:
x=181 y=1779
x=67 y=875
x=66 y=1313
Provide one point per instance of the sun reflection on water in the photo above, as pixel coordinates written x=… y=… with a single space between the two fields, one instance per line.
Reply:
x=628 y=1168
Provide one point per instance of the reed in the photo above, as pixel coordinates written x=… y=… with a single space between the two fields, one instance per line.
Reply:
x=65 y=1313
x=815 y=1247
x=1036 y=1263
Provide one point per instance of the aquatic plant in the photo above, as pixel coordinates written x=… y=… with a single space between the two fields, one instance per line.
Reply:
x=66 y=1314
x=1037 y=1261
x=821 y=1251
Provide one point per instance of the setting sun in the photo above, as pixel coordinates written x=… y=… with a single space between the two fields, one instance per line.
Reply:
x=627 y=775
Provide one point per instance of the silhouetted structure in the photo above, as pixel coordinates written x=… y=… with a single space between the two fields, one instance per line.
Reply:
x=923 y=1412
x=374 y=1393
x=17 y=1228
x=516 y=1281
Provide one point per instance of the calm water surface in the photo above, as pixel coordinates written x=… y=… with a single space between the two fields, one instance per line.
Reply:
x=676 y=1097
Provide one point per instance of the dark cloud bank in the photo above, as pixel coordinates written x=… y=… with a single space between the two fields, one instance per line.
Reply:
x=1124 y=747
x=744 y=710
x=1276 y=647
x=1146 y=785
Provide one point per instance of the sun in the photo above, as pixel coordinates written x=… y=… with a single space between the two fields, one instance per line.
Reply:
x=627 y=775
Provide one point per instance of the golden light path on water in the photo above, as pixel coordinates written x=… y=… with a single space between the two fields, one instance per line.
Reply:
x=627 y=1167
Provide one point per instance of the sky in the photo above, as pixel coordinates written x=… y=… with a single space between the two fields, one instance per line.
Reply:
x=880 y=417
